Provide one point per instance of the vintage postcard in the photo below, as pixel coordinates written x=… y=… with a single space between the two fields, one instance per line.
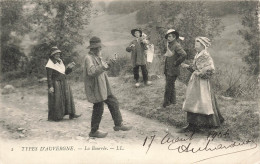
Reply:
x=120 y=81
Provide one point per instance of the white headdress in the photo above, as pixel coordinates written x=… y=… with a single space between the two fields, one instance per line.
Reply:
x=204 y=41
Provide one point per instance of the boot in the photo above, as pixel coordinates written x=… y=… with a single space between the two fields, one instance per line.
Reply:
x=137 y=84
x=98 y=134
x=148 y=83
x=166 y=104
x=123 y=128
x=74 y=116
x=189 y=128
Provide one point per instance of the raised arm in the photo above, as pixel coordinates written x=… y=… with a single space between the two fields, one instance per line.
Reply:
x=94 y=70
x=129 y=48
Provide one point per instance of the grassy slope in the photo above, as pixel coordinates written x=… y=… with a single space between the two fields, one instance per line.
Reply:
x=242 y=117
x=115 y=32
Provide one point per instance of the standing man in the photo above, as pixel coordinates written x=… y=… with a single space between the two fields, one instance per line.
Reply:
x=138 y=56
x=98 y=90
x=175 y=55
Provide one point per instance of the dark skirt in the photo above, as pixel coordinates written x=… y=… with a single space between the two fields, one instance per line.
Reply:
x=60 y=103
x=213 y=120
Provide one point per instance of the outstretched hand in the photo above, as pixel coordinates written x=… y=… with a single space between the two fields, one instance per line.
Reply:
x=196 y=73
x=132 y=45
x=111 y=62
x=51 y=90
x=71 y=65
x=184 y=65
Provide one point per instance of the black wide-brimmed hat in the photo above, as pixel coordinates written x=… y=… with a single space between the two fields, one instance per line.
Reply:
x=95 y=42
x=54 y=50
x=136 y=29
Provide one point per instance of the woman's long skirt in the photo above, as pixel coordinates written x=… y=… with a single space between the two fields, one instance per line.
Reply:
x=60 y=103
x=213 y=120
x=201 y=104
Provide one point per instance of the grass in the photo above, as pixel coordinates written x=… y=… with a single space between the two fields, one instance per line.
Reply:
x=241 y=117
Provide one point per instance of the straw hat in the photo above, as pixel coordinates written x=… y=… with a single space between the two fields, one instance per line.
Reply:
x=176 y=33
x=136 y=29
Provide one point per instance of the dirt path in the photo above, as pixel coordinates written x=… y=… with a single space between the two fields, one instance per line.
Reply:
x=24 y=117
x=23 y=123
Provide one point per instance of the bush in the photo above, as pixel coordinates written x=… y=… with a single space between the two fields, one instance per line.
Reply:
x=122 y=67
x=13 y=75
x=249 y=11
x=11 y=56
x=231 y=82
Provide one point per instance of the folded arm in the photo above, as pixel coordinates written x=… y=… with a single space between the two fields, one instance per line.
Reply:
x=182 y=54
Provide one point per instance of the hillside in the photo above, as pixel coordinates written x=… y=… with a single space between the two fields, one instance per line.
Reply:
x=114 y=30
x=227 y=49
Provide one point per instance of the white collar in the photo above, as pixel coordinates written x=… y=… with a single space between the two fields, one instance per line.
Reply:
x=60 y=67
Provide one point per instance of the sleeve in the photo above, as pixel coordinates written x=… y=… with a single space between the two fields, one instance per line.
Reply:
x=93 y=70
x=205 y=66
x=68 y=71
x=182 y=54
x=190 y=68
x=49 y=77
x=128 y=48
x=145 y=46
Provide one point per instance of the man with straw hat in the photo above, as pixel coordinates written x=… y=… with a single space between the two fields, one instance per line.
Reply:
x=137 y=48
x=175 y=55
x=98 y=90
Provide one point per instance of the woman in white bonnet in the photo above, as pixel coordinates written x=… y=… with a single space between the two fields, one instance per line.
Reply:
x=200 y=103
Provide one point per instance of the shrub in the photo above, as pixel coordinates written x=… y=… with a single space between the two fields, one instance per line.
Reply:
x=122 y=67
x=232 y=82
x=13 y=75
x=249 y=11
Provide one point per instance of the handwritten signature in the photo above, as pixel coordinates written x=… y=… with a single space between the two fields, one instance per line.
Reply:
x=188 y=147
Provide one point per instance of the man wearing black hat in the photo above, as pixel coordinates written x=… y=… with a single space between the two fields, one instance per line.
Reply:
x=175 y=55
x=98 y=90
x=137 y=48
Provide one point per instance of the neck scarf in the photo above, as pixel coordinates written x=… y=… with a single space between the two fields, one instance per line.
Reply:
x=58 y=66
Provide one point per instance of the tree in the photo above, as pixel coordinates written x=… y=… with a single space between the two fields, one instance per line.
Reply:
x=250 y=12
x=191 y=19
x=57 y=23
x=124 y=7
x=12 y=26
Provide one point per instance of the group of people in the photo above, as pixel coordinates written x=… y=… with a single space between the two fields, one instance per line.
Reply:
x=200 y=103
